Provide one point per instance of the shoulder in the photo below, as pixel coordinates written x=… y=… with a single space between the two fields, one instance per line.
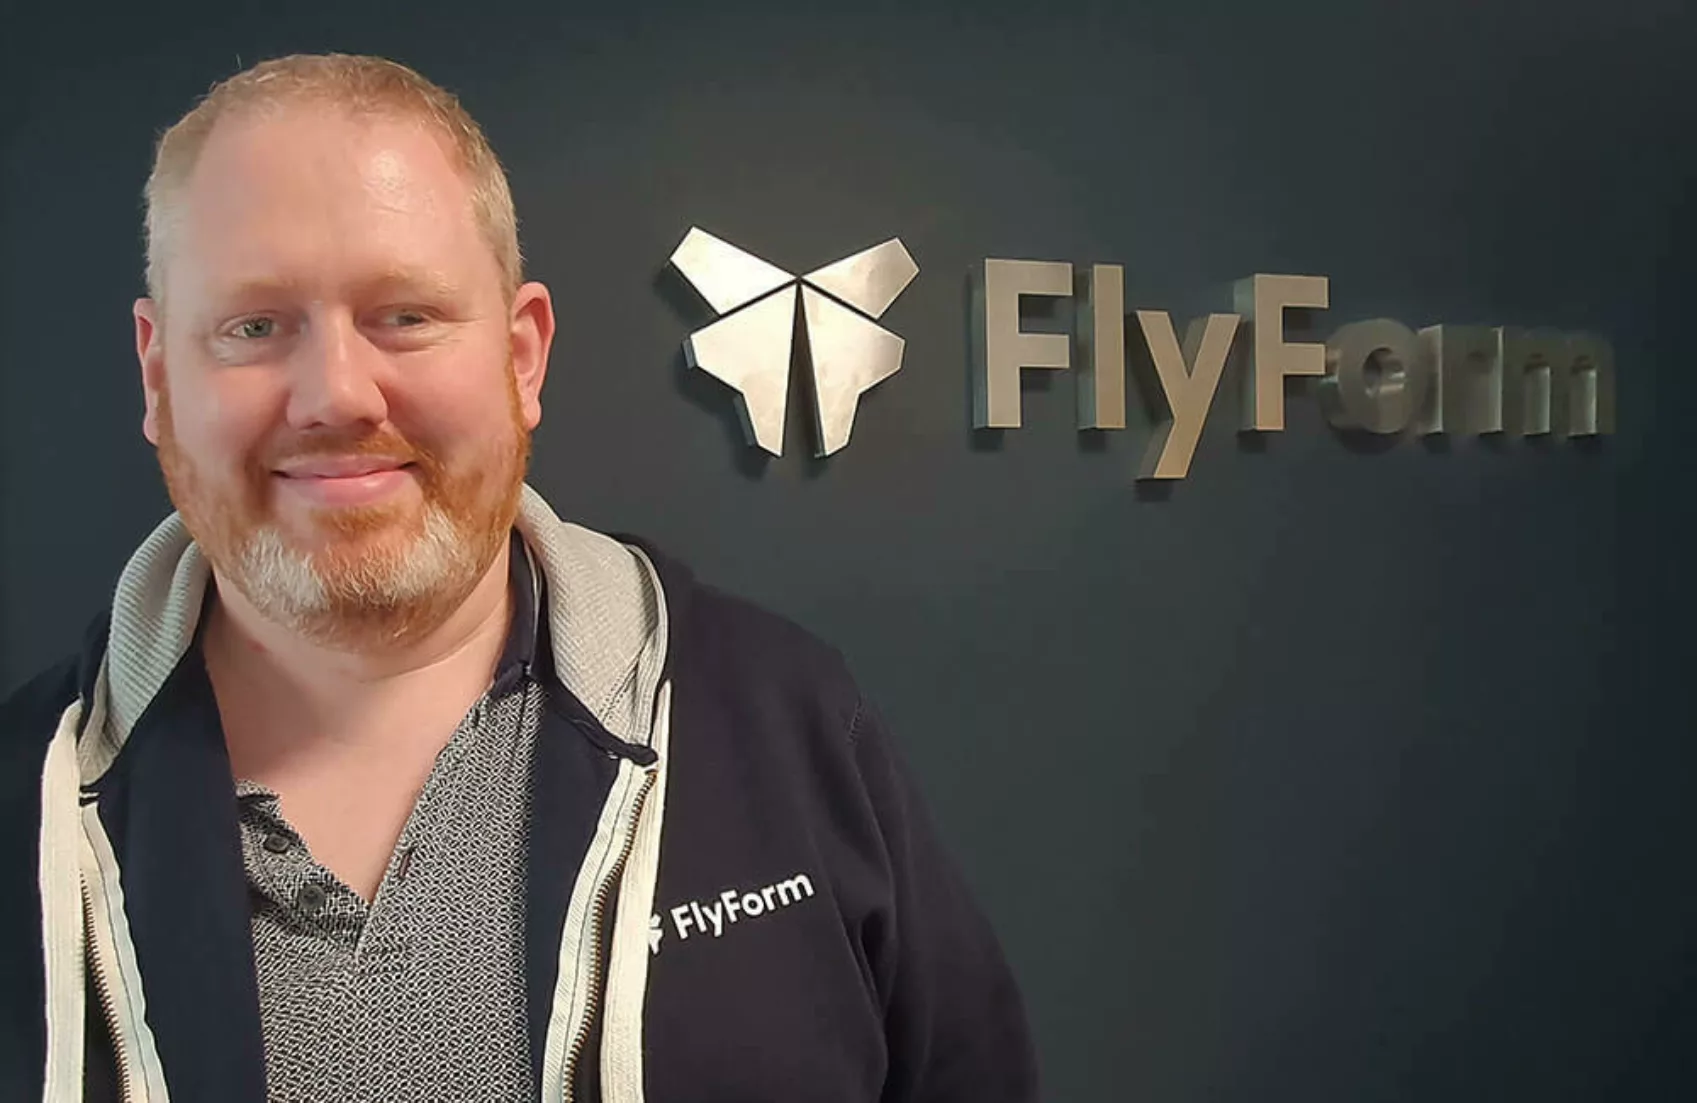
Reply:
x=743 y=648
x=749 y=632
x=28 y=718
x=30 y=714
x=755 y=652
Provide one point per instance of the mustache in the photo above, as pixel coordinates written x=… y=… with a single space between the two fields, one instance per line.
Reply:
x=336 y=445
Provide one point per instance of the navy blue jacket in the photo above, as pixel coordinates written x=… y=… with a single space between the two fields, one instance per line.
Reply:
x=871 y=974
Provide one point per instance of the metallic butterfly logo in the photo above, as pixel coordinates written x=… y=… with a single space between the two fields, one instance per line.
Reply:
x=749 y=347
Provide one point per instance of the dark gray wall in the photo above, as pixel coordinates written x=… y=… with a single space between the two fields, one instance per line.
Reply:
x=1338 y=773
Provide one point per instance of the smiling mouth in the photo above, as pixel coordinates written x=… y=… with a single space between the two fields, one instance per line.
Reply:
x=342 y=471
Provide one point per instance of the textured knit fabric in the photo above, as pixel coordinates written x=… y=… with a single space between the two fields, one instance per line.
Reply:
x=421 y=994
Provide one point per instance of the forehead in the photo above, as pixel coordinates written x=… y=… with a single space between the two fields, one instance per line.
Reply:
x=314 y=196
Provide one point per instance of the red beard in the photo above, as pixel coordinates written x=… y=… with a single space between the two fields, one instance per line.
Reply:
x=365 y=559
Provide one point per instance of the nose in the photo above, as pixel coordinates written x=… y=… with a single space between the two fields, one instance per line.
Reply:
x=336 y=380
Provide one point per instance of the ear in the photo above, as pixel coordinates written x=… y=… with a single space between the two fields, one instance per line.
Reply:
x=150 y=350
x=532 y=337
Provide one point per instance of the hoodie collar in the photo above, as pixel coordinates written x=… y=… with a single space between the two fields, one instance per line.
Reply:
x=587 y=605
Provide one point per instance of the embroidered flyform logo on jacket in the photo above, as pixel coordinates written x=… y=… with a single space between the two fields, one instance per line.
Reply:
x=733 y=905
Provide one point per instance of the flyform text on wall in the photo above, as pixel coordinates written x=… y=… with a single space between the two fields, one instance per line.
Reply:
x=1375 y=376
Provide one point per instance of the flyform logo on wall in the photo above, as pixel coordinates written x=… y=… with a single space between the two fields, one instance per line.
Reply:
x=749 y=347
x=1375 y=376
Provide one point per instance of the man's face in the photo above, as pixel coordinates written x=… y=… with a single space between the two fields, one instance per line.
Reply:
x=340 y=393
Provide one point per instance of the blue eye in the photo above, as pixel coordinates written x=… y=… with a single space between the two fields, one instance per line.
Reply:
x=257 y=328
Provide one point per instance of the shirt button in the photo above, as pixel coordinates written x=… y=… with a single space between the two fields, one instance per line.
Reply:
x=277 y=843
x=310 y=898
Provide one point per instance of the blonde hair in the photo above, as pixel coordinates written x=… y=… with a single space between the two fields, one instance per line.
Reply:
x=357 y=84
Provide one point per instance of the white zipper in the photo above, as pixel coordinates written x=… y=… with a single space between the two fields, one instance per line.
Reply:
x=628 y=952
x=113 y=968
x=62 y=915
x=577 y=991
x=99 y=968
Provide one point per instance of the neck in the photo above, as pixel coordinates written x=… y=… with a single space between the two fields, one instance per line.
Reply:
x=248 y=653
x=347 y=737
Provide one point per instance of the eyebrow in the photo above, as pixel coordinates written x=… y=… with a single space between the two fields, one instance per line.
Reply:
x=429 y=281
x=414 y=280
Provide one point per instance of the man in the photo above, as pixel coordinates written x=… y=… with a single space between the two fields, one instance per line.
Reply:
x=380 y=782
